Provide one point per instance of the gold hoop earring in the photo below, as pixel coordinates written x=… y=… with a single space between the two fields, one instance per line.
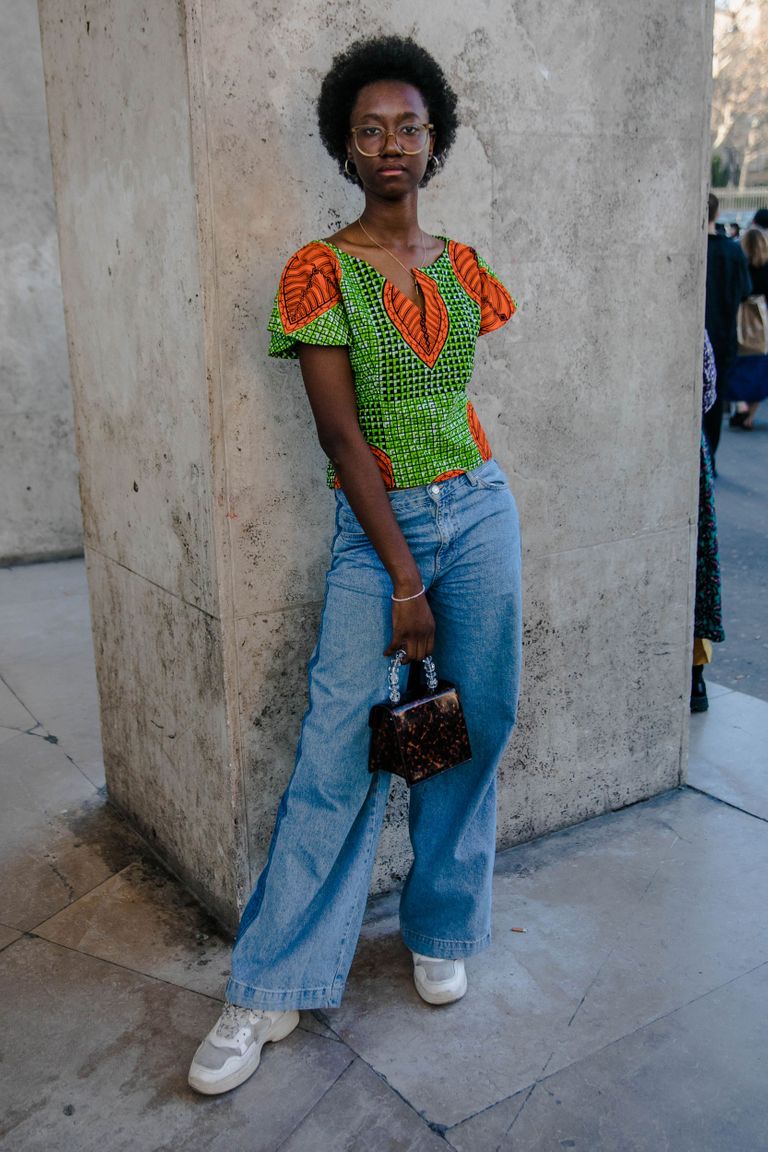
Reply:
x=349 y=171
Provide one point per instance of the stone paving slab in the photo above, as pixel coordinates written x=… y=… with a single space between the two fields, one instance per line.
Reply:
x=96 y=1057
x=728 y=755
x=8 y=935
x=11 y=733
x=714 y=690
x=13 y=714
x=691 y=1081
x=627 y=916
x=143 y=919
x=33 y=584
x=64 y=707
x=47 y=659
x=360 y=1113
x=57 y=837
x=78 y=734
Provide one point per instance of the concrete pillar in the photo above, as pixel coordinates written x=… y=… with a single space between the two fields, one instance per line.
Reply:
x=38 y=467
x=187 y=169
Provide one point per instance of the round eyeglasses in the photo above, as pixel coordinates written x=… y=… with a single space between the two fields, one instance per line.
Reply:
x=371 y=139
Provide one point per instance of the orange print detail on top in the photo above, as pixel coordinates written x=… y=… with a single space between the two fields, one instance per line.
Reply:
x=425 y=332
x=496 y=304
x=447 y=475
x=478 y=433
x=309 y=286
x=385 y=467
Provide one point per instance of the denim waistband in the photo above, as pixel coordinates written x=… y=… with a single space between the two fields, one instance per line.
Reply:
x=424 y=494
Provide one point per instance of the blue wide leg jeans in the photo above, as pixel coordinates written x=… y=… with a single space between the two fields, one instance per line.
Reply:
x=298 y=932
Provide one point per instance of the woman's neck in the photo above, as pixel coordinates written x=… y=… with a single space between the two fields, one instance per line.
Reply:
x=396 y=220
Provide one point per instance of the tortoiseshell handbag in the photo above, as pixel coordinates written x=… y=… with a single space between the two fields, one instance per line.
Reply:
x=421 y=733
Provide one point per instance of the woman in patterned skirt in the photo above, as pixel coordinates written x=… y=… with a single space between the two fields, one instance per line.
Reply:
x=708 y=617
x=384 y=319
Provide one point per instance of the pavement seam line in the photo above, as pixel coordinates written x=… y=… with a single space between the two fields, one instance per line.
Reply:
x=597 y=1051
x=619 y=934
x=309 y=1032
x=17 y=697
x=317 y=1102
x=10 y=943
x=52 y=739
x=655 y=1019
x=71 y=904
x=434 y=1126
x=438 y=1130
x=32 y=935
x=518 y=1114
x=39 y=724
x=727 y=803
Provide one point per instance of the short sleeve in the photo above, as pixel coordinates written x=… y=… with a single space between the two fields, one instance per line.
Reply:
x=496 y=304
x=308 y=308
x=479 y=280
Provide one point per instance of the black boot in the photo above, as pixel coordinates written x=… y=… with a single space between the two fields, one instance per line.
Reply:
x=699 y=702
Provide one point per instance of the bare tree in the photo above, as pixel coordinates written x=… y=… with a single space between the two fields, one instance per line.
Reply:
x=740 y=91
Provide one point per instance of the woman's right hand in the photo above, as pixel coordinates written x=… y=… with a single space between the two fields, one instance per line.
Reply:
x=413 y=629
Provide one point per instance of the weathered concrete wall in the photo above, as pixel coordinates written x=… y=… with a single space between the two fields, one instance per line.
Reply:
x=582 y=162
x=132 y=273
x=38 y=467
x=581 y=157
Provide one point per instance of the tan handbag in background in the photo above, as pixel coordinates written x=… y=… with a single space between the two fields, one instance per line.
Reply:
x=752 y=327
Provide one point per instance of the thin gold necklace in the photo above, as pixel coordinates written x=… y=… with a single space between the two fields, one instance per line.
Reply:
x=408 y=271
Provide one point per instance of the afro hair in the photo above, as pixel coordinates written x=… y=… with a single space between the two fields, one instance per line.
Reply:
x=384 y=58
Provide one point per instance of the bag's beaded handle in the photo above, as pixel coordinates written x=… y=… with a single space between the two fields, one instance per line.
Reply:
x=393 y=676
x=431 y=673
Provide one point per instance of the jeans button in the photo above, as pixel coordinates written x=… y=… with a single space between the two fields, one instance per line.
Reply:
x=435 y=490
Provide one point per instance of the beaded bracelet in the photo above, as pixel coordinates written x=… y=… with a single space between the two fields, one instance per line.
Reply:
x=402 y=599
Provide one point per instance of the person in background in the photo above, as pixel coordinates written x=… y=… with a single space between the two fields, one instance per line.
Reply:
x=760 y=219
x=734 y=230
x=748 y=378
x=708 y=618
x=728 y=283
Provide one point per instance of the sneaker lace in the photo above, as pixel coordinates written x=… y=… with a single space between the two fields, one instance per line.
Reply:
x=233 y=1018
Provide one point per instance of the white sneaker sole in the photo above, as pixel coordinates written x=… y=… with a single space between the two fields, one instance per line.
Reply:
x=210 y=1082
x=432 y=993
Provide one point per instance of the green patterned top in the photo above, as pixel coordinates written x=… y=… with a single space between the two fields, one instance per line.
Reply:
x=411 y=368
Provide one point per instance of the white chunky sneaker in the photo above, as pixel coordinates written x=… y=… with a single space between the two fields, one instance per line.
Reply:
x=439 y=981
x=231 y=1051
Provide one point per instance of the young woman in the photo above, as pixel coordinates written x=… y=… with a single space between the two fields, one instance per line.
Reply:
x=748 y=375
x=384 y=320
